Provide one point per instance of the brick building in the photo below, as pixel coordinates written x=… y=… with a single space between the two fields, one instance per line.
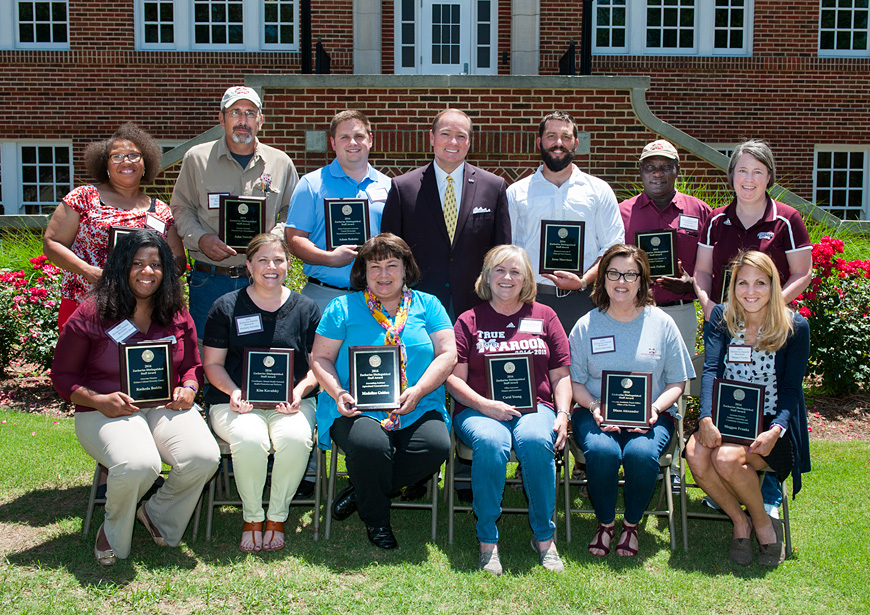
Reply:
x=700 y=72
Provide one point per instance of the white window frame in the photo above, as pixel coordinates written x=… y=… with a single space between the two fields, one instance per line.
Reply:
x=254 y=29
x=841 y=53
x=472 y=43
x=865 y=189
x=9 y=38
x=636 y=26
x=13 y=176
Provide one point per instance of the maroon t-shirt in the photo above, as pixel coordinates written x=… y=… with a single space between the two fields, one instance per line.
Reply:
x=483 y=331
x=780 y=230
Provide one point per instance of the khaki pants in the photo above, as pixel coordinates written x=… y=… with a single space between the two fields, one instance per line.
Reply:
x=132 y=448
x=251 y=435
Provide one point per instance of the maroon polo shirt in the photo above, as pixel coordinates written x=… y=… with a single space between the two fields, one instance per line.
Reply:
x=780 y=231
x=686 y=214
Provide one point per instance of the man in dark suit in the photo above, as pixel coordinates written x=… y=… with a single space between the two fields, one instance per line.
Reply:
x=424 y=204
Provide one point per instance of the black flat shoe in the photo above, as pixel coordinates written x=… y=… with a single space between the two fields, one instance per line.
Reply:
x=415 y=492
x=344 y=504
x=382 y=537
x=305 y=490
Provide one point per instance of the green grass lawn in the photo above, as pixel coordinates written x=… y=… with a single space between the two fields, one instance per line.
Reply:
x=48 y=568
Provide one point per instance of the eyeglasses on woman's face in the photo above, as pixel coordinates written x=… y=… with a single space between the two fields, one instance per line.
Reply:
x=629 y=276
x=133 y=157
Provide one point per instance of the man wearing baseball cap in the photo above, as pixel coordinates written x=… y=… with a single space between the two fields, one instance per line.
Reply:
x=661 y=207
x=237 y=164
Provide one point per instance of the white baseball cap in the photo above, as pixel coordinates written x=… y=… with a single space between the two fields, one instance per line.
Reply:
x=237 y=93
x=660 y=148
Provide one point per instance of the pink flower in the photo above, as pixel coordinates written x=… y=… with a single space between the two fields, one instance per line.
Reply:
x=805 y=312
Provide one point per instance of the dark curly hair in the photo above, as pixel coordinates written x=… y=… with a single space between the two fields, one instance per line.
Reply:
x=97 y=154
x=115 y=300
x=379 y=248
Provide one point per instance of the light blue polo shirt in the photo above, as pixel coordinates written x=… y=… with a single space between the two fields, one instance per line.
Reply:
x=306 y=210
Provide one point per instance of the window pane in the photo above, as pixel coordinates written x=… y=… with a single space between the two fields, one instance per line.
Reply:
x=46 y=173
x=42 y=22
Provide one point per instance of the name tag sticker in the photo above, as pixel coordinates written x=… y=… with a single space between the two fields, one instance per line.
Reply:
x=689 y=223
x=214 y=199
x=600 y=345
x=533 y=326
x=377 y=193
x=739 y=353
x=249 y=324
x=122 y=331
x=156 y=223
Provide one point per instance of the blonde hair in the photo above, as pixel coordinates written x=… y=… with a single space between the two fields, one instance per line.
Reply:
x=779 y=322
x=495 y=257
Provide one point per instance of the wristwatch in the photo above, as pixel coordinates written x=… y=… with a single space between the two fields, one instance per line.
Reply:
x=583 y=283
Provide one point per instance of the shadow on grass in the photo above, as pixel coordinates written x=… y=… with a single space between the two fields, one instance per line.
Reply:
x=348 y=549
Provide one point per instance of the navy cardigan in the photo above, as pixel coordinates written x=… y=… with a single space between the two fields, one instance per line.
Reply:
x=790 y=366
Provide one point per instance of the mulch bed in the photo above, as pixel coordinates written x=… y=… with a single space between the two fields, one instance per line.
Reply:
x=27 y=389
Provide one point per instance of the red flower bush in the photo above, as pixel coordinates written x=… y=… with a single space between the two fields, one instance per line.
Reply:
x=30 y=300
x=836 y=304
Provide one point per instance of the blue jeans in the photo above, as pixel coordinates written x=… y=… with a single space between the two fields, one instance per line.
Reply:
x=638 y=453
x=204 y=290
x=532 y=437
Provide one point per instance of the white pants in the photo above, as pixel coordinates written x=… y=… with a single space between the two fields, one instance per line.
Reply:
x=132 y=448
x=687 y=322
x=251 y=436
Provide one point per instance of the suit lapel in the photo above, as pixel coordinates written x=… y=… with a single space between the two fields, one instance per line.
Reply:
x=469 y=185
x=429 y=189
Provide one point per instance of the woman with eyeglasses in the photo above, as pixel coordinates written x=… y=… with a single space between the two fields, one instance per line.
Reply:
x=77 y=236
x=627 y=333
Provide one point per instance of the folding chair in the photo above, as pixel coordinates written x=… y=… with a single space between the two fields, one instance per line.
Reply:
x=459 y=448
x=663 y=480
x=693 y=389
x=334 y=473
x=219 y=493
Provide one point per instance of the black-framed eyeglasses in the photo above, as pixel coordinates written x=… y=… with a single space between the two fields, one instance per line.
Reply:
x=248 y=114
x=629 y=276
x=133 y=157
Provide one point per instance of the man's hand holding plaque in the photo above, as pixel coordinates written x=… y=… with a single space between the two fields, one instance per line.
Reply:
x=510 y=379
x=241 y=219
x=661 y=250
x=347 y=222
x=626 y=399
x=562 y=243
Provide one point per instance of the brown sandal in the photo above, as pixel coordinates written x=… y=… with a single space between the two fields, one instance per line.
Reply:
x=598 y=540
x=253 y=526
x=272 y=526
x=623 y=547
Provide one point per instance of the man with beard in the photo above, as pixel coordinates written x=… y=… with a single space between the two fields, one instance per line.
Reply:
x=559 y=190
x=661 y=207
x=238 y=165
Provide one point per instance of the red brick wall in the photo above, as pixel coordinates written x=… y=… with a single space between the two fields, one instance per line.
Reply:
x=506 y=124
x=785 y=93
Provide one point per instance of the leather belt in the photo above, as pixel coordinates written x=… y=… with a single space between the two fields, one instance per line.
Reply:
x=239 y=271
x=325 y=285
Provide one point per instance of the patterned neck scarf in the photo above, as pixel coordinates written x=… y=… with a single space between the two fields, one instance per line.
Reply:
x=393 y=337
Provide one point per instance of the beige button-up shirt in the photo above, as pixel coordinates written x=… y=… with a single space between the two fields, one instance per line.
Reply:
x=209 y=168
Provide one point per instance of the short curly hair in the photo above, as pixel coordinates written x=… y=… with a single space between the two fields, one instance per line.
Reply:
x=97 y=154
